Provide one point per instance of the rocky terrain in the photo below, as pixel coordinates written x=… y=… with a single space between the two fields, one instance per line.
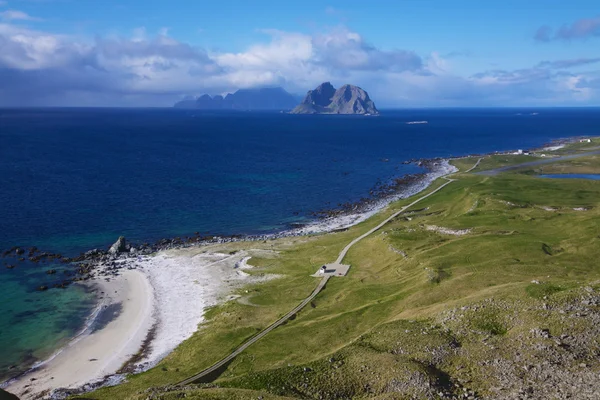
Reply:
x=544 y=347
x=243 y=99
x=325 y=99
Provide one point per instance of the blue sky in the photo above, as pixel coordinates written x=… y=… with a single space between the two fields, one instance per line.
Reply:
x=406 y=53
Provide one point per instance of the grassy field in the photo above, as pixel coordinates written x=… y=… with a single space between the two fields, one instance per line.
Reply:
x=477 y=239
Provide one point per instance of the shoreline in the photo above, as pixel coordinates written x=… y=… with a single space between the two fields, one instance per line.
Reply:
x=154 y=334
x=164 y=326
x=106 y=345
x=143 y=316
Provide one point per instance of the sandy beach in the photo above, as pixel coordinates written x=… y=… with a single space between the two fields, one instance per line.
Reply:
x=152 y=294
x=100 y=350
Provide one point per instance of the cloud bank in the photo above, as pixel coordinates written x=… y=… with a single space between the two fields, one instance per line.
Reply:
x=39 y=68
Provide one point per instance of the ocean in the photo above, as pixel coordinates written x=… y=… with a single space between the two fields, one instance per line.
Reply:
x=76 y=179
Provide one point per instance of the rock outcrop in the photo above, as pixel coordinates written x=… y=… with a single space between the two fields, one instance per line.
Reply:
x=244 y=99
x=120 y=246
x=348 y=99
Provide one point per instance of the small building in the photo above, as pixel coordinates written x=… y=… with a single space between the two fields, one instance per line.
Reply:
x=585 y=141
x=333 y=269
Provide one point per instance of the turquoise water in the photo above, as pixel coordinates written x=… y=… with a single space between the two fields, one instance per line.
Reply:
x=34 y=324
x=595 y=177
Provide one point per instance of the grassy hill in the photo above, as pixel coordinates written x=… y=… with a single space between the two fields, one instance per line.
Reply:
x=486 y=289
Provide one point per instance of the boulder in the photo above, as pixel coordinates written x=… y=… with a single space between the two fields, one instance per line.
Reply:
x=120 y=246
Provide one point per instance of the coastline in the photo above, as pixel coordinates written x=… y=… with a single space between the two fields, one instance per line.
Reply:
x=113 y=337
x=438 y=169
x=204 y=278
x=143 y=316
x=187 y=264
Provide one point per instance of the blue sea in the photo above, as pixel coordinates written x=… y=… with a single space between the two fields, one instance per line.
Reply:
x=75 y=179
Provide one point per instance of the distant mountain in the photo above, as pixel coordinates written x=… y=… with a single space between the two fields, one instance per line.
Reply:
x=325 y=99
x=243 y=99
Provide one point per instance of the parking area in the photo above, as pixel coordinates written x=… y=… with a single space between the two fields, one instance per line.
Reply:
x=332 y=270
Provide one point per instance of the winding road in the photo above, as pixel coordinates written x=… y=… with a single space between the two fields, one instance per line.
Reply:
x=255 y=338
x=391 y=217
x=318 y=289
x=344 y=252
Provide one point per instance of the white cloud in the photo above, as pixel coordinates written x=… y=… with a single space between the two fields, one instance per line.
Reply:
x=40 y=68
x=16 y=15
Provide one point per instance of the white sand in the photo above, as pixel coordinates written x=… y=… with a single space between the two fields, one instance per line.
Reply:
x=170 y=291
x=109 y=348
x=185 y=283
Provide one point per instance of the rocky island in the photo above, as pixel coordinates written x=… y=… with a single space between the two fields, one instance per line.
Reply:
x=325 y=99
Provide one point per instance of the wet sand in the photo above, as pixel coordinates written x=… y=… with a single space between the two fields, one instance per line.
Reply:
x=113 y=338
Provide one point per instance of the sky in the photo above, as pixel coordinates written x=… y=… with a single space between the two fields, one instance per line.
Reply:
x=405 y=53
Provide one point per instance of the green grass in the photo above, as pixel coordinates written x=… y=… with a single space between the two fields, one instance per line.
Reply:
x=541 y=290
x=493 y=162
x=512 y=241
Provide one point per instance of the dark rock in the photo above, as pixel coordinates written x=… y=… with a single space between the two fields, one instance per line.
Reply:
x=42 y=288
x=120 y=246
x=93 y=253
x=51 y=272
x=325 y=99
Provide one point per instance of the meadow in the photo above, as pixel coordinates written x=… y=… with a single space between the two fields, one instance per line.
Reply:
x=461 y=278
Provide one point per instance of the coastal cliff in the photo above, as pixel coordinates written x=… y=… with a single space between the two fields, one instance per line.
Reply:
x=325 y=99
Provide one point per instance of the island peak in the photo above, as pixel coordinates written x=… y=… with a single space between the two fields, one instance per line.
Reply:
x=325 y=99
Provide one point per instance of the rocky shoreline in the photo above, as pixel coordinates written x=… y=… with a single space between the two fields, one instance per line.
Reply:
x=97 y=263
x=105 y=263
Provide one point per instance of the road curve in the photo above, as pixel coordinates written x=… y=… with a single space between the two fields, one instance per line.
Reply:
x=474 y=166
x=394 y=215
x=318 y=289
x=255 y=338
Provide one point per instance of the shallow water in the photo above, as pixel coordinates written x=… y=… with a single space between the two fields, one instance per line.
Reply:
x=595 y=177
x=75 y=179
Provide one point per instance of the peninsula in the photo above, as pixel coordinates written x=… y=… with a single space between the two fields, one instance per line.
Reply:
x=325 y=99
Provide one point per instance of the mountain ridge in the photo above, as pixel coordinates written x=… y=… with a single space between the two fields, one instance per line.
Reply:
x=325 y=99
x=275 y=98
